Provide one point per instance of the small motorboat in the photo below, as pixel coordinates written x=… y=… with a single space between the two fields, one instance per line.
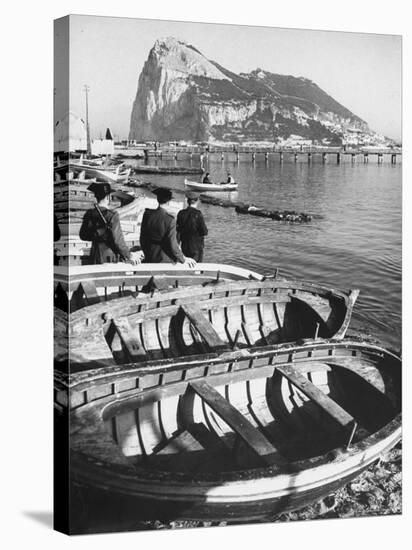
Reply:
x=238 y=437
x=208 y=318
x=202 y=187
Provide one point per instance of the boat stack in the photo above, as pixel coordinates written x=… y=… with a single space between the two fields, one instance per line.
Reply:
x=214 y=393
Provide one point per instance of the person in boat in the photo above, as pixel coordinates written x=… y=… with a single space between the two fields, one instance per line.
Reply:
x=191 y=228
x=230 y=178
x=102 y=226
x=158 y=233
x=207 y=179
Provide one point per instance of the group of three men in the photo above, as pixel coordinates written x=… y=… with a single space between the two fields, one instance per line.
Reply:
x=159 y=236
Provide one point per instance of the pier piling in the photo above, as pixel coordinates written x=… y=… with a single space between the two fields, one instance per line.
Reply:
x=393 y=159
x=337 y=158
x=366 y=158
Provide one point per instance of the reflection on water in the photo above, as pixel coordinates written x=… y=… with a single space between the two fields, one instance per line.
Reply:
x=354 y=241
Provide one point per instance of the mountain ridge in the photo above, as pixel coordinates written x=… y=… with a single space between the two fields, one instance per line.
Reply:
x=182 y=95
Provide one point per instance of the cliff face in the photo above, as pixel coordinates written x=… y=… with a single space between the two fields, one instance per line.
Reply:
x=182 y=95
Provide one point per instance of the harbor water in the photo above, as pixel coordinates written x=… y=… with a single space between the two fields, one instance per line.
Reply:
x=353 y=240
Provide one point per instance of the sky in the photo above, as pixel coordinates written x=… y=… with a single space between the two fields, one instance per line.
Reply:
x=361 y=71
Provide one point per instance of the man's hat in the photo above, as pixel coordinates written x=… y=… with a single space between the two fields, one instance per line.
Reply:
x=100 y=190
x=192 y=195
x=163 y=194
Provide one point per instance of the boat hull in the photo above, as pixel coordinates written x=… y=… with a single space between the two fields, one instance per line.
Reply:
x=242 y=494
x=202 y=187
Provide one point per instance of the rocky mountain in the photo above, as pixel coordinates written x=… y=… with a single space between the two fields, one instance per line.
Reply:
x=182 y=95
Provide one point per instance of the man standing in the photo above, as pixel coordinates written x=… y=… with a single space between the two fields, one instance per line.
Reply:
x=191 y=228
x=102 y=227
x=158 y=234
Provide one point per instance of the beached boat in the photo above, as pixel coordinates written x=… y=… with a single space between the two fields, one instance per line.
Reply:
x=238 y=437
x=214 y=317
x=197 y=186
x=113 y=173
x=95 y=283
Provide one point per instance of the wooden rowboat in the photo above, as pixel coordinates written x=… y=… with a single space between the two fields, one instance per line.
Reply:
x=236 y=437
x=196 y=186
x=203 y=319
x=91 y=284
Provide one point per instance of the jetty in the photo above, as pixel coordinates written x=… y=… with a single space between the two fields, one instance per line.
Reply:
x=153 y=169
x=252 y=154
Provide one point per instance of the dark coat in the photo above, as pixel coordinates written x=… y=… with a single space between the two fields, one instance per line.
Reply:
x=191 y=230
x=158 y=237
x=108 y=245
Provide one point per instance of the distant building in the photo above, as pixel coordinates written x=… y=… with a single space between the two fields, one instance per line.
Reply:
x=103 y=146
x=70 y=134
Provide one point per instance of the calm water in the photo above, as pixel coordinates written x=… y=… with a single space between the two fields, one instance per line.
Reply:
x=354 y=241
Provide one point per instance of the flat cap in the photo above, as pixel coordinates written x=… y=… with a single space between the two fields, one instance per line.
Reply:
x=163 y=194
x=100 y=189
x=192 y=195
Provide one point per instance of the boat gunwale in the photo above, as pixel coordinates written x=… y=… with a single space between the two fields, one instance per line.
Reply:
x=79 y=273
x=87 y=378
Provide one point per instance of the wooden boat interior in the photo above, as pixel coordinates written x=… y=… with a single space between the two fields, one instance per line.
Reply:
x=206 y=319
x=238 y=414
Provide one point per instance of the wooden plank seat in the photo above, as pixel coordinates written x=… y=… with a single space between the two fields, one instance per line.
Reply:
x=130 y=341
x=342 y=417
x=254 y=439
x=90 y=292
x=204 y=327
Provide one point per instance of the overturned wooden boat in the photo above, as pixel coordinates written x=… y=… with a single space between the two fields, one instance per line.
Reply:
x=88 y=285
x=214 y=317
x=202 y=187
x=236 y=437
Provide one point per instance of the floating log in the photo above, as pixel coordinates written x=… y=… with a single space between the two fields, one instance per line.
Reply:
x=284 y=215
x=240 y=207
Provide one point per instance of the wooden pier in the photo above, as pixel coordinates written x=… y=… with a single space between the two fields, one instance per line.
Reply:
x=254 y=154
